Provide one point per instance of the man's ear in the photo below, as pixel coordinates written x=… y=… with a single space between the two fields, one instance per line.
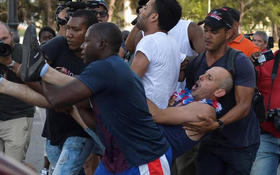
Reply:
x=102 y=44
x=220 y=93
x=154 y=17
x=229 y=34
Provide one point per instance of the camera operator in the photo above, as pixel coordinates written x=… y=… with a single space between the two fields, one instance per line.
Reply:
x=101 y=11
x=268 y=155
x=16 y=116
x=260 y=39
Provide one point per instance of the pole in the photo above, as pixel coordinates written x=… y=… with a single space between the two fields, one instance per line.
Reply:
x=13 y=18
x=209 y=6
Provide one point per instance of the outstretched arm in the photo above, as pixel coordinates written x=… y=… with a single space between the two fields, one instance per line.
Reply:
x=69 y=94
x=23 y=93
x=57 y=78
x=182 y=114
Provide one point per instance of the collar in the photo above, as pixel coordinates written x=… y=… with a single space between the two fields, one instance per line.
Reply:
x=238 y=39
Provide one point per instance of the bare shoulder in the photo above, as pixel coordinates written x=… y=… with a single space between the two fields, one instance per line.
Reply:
x=194 y=29
x=195 y=34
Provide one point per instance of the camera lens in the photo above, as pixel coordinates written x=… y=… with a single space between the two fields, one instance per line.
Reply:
x=5 y=49
x=276 y=122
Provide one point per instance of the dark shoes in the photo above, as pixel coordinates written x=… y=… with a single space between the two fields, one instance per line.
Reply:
x=33 y=59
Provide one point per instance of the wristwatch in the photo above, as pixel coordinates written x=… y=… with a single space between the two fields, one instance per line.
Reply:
x=221 y=125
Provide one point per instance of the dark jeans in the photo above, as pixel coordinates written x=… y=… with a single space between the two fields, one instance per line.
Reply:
x=185 y=164
x=217 y=160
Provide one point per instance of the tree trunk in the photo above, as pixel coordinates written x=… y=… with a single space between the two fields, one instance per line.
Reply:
x=241 y=9
x=49 y=10
x=111 y=9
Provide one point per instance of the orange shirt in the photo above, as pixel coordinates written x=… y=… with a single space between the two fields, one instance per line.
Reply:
x=244 y=45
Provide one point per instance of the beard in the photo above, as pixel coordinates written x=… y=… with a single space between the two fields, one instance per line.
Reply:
x=140 y=23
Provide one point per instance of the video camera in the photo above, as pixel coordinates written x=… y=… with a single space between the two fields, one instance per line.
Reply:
x=265 y=56
x=73 y=6
x=273 y=115
x=5 y=49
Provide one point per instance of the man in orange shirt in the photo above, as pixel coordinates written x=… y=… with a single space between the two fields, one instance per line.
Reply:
x=238 y=41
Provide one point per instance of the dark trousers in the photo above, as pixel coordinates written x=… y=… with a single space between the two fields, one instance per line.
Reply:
x=217 y=160
x=185 y=164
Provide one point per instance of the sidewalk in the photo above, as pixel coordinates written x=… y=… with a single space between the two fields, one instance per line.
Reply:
x=35 y=153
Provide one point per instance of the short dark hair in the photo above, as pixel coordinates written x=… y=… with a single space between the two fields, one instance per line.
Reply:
x=46 y=29
x=88 y=15
x=110 y=33
x=169 y=12
x=233 y=12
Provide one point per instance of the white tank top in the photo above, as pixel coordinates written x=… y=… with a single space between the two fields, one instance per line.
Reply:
x=180 y=34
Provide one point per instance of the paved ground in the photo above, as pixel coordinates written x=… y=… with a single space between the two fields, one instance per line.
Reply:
x=35 y=153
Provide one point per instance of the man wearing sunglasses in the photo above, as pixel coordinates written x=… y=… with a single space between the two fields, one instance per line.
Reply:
x=102 y=11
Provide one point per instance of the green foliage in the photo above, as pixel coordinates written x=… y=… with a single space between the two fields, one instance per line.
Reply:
x=195 y=10
x=255 y=12
x=265 y=12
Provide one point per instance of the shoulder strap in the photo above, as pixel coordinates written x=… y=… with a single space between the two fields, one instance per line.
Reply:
x=191 y=70
x=273 y=76
x=230 y=64
x=275 y=66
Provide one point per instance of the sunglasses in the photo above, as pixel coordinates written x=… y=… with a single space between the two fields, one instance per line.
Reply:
x=100 y=13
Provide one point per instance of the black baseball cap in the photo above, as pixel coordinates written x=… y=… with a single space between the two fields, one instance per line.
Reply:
x=103 y=3
x=218 y=18
x=233 y=12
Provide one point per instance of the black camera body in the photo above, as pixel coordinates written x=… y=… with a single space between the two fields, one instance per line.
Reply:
x=77 y=5
x=5 y=49
x=73 y=6
x=273 y=115
x=265 y=56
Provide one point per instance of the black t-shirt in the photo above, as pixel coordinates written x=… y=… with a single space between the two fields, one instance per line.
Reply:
x=10 y=107
x=59 y=126
x=244 y=132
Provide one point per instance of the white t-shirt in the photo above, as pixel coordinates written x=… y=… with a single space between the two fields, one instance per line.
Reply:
x=180 y=34
x=164 y=56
